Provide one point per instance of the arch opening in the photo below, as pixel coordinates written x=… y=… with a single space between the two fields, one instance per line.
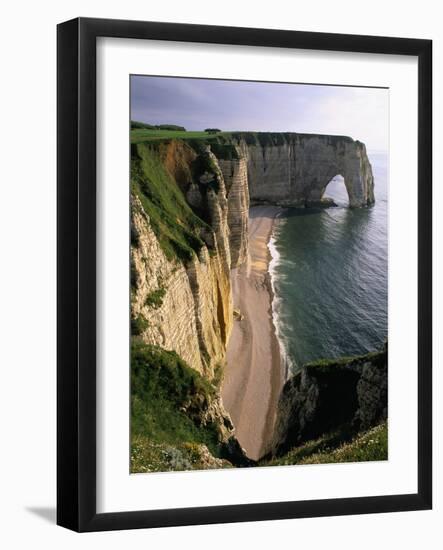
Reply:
x=336 y=190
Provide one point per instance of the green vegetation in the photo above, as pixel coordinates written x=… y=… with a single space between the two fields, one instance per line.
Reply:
x=224 y=151
x=219 y=373
x=297 y=454
x=136 y=125
x=147 y=456
x=139 y=325
x=144 y=134
x=263 y=138
x=171 y=127
x=204 y=164
x=168 y=401
x=176 y=226
x=366 y=446
x=221 y=143
x=144 y=126
x=329 y=366
x=141 y=132
x=155 y=298
x=371 y=445
x=140 y=135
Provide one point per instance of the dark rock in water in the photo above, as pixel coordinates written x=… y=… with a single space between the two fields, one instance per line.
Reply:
x=324 y=202
x=328 y=395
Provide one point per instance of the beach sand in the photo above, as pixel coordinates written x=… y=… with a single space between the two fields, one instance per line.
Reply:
x=254 y=377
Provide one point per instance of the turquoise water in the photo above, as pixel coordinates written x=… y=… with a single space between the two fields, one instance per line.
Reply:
x=330 y=275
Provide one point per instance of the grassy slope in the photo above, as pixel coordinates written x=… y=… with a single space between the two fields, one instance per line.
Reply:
x=167 y=400
x=176 y=226
x=366 y=446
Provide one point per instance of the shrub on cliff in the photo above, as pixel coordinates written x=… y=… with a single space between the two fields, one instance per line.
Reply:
x=136 y=125
x=139 y=325
x=205 y=173
x=172 y=127
x=224 y=151
x=155 y=298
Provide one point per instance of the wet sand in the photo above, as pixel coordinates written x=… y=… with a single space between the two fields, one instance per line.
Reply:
x=254 y=378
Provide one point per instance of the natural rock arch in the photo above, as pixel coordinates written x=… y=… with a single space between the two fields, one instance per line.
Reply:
x=297 y=170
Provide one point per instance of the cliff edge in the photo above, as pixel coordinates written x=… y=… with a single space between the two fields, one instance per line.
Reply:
x=348 y=395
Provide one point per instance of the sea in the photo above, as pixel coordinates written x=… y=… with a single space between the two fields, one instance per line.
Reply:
x=329 y=273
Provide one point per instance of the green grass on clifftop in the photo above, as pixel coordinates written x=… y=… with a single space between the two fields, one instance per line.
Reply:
x=221 y=143
x=332 y=366
x=143 y=135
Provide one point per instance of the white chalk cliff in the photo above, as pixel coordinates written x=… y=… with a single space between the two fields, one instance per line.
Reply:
x=295 y=169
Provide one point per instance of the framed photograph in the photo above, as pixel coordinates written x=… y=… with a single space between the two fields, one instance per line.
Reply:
x=244 y=274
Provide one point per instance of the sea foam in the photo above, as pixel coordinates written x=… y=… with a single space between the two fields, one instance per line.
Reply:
x=286 y=361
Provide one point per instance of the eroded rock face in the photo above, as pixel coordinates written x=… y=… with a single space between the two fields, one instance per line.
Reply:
x=193 y=314
x=235 y=173
x=295 y=169
x=372 y=392
x=171 y=325
x=323 y=398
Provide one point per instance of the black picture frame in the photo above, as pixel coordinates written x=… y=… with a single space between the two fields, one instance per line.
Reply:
x=76 y=277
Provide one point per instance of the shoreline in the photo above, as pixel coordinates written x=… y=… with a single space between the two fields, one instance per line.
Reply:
x=254 y=374
x=286 y=362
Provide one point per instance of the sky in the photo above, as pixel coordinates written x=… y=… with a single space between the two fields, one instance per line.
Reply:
x=196 y=104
